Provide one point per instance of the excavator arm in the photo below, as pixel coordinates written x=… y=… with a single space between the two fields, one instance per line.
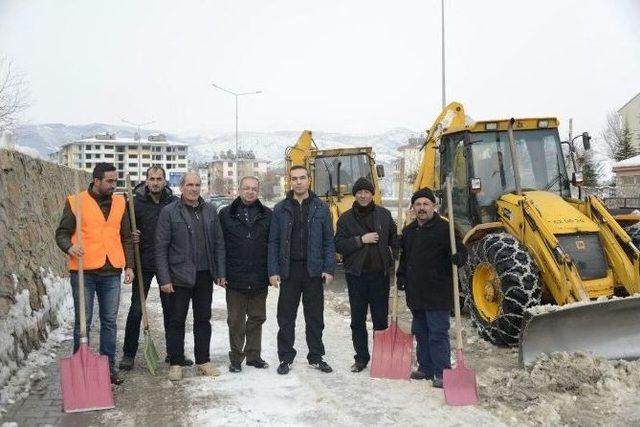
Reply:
x=452 y=116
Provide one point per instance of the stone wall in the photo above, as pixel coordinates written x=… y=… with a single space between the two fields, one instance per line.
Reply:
x=32 y=195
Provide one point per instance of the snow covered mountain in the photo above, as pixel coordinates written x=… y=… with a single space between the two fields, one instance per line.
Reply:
x=46 y=138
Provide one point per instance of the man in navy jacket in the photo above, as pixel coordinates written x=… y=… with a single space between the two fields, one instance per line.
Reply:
x=301 y=257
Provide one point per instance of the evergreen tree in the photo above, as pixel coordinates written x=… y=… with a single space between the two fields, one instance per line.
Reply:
x=624 y=147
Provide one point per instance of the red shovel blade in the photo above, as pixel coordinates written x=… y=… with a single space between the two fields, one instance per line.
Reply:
x=459 y=384
x=85 y=381
x=391 y=353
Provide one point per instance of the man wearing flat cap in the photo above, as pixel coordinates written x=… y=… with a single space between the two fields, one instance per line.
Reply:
x=425 y=274
x=366 y=237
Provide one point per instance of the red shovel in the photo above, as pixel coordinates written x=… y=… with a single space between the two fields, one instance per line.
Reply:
x=459 y=383
x=84 y=377
x=392 y=347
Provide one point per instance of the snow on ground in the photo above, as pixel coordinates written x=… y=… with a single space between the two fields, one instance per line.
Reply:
x=20 y=372
x=309 y=397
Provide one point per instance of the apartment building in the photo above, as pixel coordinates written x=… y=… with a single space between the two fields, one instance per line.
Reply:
x=222 y=170
x=129 y=155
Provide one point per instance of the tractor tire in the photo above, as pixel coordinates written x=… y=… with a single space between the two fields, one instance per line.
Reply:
x=634 y=232
x=500 y=281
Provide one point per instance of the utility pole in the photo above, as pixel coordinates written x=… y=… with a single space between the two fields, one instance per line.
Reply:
x=236 y=95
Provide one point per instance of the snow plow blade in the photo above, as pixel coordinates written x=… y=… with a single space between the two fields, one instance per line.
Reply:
x=608 y=329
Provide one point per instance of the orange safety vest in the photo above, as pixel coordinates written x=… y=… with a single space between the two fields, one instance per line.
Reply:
x=100 y=237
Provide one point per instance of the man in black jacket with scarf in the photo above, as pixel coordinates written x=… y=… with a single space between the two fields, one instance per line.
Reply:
x=245 y=225
x=425 y=274
x=366 y=237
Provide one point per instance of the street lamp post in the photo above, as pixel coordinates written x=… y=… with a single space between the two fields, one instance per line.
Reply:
x=138 y=125
x=236 y=95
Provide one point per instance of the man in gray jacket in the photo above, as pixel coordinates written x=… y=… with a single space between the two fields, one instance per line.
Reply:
x=190 y=253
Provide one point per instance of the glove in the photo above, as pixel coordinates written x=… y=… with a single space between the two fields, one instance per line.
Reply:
x=456 y=259
x=401 y=286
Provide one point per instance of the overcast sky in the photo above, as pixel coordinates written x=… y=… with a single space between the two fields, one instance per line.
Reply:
x=358 y=66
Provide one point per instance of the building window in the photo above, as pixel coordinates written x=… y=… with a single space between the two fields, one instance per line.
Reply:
x=120 y=148
x=146 y=156
x=87 y=156
x=133 y=165
x=108 y=147
x=255 y=165
x=133 y=156
x=87 y=165
x=133 y=147
x=108 y=156
x=182 y=165
x=181 y=157
x=146 y=165
x=229 y=173
x=230 y=164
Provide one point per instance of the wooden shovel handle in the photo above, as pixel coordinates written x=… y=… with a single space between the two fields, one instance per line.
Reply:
x=136 y=251
x=454 y=268
x=81 y=301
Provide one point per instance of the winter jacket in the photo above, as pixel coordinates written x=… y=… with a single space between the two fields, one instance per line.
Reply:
x=349 y=240
x=425 y=264
x=320 y=245
x=147 y=213
x=176 y=244
x=246 y=244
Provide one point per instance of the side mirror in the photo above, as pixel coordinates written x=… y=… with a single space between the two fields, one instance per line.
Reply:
x=475 y=184
x=576 y=179
x=586 y=141
x=380 y=171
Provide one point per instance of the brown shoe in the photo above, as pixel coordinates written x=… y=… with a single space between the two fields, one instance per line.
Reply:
x=207 y=369
x=175 y=372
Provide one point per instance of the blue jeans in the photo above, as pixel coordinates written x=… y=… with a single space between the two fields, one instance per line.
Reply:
x=433 y=351
x=107 y=288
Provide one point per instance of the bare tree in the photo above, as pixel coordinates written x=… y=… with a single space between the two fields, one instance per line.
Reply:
x=13 y=94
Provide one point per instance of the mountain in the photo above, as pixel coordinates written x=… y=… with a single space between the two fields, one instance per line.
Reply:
x=47 y=138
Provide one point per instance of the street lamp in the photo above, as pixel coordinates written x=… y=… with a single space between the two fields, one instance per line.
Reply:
x=236 y=95
x=136 y=137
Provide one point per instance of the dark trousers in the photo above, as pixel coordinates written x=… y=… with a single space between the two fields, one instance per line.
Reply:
x=312 y=291
x=246 y=312
x=132 y=330
x=367 y=291
x=433 y=351
x=200 y=296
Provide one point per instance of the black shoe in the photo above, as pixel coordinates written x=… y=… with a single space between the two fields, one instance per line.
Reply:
x=258 y=363
x=322 y=366
x=437 y=382
x=126 y=363
x=358 y=367
x=284 y=368
x=419 y=375
x=235 y=367
x=115 y=377
x=186 y=362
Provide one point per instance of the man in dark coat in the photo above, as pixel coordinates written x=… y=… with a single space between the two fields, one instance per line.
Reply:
x=190 y=254
x=425 y=273
x=150 y=197
x=245 y=224
x=302 y=255
x=367 y=238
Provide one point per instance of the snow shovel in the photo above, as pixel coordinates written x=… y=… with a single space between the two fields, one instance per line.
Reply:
x=148 y=348
x=84 y=377
x=392 y=347
x=459 y=383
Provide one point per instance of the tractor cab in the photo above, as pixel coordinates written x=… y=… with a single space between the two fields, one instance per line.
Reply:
x=480 y=162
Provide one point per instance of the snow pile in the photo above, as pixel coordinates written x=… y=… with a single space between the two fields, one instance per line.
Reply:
x=18 y=369
x=563 y=388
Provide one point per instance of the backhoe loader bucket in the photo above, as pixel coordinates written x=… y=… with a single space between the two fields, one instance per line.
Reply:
x=608 y=329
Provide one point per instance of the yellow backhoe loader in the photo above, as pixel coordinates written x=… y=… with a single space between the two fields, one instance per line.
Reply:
x=334 y=171
x=545 y=271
